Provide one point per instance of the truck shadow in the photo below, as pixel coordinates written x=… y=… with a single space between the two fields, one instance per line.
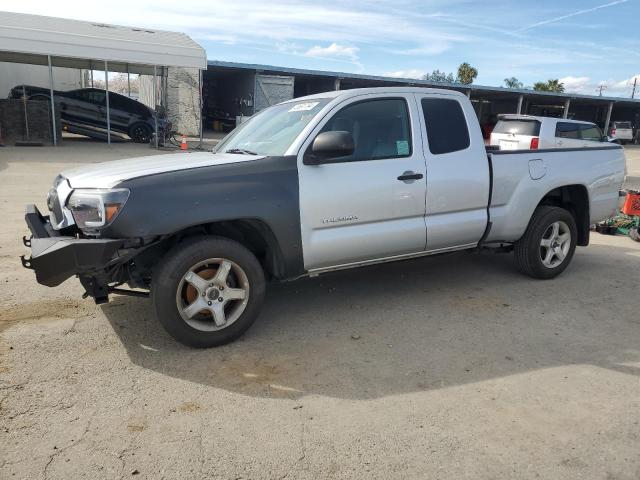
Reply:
x=411 y=326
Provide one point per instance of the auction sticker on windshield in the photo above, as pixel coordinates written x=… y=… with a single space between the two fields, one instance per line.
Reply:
x=303 y=107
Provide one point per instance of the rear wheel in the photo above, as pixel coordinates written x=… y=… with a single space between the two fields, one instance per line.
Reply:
x=208 y=291
x=548 y=244
x=140 y=133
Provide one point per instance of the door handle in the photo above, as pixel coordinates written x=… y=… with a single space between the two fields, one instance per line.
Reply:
x=409 y=175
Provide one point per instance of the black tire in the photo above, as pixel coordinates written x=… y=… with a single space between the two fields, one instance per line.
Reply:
x=168 y=277
x=528 y=250
x=140 y=133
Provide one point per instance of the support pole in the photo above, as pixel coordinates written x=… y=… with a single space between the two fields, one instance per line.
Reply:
x=201 y=105
x=480 y=108
x=608 y=120
x=106 y=95
x=91 y=70
x=520 y=100
x=128 y=82
x=53 y=104
x=567 y=104
x=155 y=101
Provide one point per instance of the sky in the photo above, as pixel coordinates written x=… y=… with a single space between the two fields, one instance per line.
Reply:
x=585 y=44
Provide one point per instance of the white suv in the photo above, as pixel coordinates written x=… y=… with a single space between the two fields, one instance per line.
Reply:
x=621 y=132
x=526 y=132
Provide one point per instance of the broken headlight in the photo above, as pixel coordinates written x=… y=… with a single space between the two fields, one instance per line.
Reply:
x=93 y=209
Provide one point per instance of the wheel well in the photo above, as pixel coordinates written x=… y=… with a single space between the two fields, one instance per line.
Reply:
x=139 y=123
x=575 y=199
x=253 y=234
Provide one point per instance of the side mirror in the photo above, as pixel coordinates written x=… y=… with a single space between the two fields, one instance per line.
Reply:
x=329 y=146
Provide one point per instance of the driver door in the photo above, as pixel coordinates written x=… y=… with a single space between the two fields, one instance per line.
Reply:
x=369 y=205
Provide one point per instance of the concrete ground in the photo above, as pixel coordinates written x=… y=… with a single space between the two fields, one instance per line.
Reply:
x=446 y=367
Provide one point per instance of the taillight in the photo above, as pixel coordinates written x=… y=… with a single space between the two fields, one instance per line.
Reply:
x=613 y=132
x=534 y=143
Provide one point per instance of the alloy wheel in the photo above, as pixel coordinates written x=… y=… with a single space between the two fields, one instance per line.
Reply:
x=212 y=294
x=555 y=244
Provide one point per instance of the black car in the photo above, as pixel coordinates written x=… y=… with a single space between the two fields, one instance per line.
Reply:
x=87 y=106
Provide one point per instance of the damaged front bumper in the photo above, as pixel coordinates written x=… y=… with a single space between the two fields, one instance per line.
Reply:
x=55 y=258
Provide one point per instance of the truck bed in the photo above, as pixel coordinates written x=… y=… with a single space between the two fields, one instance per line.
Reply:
x=521 y=177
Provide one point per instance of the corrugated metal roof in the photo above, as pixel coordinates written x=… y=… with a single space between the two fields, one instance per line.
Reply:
x=411 y=81
x=61 y=37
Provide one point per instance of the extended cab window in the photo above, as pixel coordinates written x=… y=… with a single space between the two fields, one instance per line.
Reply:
x=380 y=128
x=590 y=132
x=567 y=130
x=446 y=125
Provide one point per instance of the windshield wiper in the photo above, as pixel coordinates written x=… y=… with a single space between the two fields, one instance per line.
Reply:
x=241 y=151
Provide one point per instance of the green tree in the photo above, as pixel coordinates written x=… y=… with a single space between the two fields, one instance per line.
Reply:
x=513 y=82
x=552 y=85
x=466 y=74
x=439 y=77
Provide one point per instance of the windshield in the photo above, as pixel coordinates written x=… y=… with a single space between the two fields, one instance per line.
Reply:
x=273 y=130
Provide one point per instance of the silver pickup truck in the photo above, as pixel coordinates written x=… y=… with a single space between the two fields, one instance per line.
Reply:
x=330 y=181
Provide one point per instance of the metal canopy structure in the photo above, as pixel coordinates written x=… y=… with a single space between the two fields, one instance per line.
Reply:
x=61 y=42
x=74 y=39
x=520 y=98
x=474 y=88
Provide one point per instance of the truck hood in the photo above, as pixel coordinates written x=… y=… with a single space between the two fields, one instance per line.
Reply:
x=110 y=174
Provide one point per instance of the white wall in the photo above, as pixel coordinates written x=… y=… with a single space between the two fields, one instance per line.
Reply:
x=182 y=98
x=145 y=94
x=12 y=74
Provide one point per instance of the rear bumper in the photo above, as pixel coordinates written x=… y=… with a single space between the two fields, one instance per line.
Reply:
x=55 y=258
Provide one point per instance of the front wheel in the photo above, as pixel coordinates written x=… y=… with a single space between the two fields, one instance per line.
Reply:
x=208 y=291
x=548 y=244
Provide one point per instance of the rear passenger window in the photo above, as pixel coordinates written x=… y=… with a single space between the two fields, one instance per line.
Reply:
x=567 y=130
x=446 y=125
x=590 y=132
x=116 y=101
x=380 y=128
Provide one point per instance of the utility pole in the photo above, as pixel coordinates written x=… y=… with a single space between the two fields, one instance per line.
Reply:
x=633 y=92
x=600 y=89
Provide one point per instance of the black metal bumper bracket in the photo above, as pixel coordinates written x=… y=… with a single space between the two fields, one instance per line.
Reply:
x=56 y=258
x=26 y=262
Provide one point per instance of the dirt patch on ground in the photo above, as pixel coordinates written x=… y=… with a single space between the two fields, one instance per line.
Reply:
x=188 y=407
x=43 y=309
